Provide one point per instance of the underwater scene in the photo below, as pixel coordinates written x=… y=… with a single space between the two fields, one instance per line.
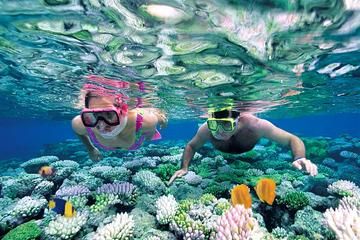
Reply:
x=180 y=119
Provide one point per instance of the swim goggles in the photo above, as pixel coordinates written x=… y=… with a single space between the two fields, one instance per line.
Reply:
x=110 y=115
x=227 y=124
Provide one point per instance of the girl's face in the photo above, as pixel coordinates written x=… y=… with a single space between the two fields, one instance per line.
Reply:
x=100 y=103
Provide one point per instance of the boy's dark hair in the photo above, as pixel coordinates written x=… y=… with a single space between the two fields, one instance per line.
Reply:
x=225 y=114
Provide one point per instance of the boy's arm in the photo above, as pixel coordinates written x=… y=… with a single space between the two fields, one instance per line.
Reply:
x=195 y=144
x=270 y=131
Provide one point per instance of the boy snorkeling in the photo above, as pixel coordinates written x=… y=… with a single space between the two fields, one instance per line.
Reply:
x=234 y=132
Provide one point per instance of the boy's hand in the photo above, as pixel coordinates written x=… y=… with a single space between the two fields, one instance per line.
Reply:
x=178 y=173
x=306 y=165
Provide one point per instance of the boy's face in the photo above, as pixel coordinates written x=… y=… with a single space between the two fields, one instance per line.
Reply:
x=220 y=134
x=222 y=125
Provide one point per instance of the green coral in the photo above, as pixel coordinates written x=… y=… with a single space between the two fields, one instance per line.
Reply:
x=26 y=231
x=185 y=205
x=310 y=223
x=250 y=155
x=253 y=180
x=325 y=170
x=221 y=207
x=78 y=202
x=233 y=175
x=203 y=170
x=274 y=164
x=165 y=171
x=301 y=237
x=295 y=200
x=316 y=149
x=184 y=222
x=207 y=199
x=102 y=201
x=240 y=165
x=217 y=190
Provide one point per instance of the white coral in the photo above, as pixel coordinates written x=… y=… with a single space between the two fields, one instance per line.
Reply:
x=166 y=207
x=153 y=238
x=43 y=188
x=192 y=179
x=98 y=171
x=148 y=181
x=27 y=206
x=34 y=164
x=343 y=188
x=65 y=164
x=66 y=227
x=345 y=220
x=120 y=228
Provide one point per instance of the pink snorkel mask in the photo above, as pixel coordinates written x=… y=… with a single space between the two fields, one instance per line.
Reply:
x=115 y=116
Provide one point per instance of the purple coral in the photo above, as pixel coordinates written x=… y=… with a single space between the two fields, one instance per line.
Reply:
x=77 y=190
x=125 y=192
x=125 y=188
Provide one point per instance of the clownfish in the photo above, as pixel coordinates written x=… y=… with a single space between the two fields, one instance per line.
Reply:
x=62 y=207
x=46 y=171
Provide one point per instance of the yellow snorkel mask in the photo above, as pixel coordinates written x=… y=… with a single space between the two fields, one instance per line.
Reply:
x=224 y=118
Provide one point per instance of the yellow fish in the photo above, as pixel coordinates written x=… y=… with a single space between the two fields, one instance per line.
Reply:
x=62 y=207
x=265 y=190
x=240 y=194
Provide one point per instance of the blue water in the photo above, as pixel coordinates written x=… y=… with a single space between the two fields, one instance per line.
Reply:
x=24 y=137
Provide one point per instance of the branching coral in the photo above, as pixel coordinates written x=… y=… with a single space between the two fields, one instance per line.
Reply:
x=121 y=228
x=344 y=188
x=236 y=223
x=345 y=220
x=166 y=207
x=66 y=228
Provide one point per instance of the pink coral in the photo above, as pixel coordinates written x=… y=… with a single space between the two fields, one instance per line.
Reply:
x=236 y=223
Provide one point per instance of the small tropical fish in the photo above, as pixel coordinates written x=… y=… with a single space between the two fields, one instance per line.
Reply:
x=62 y=207
x=265 y=190
x=46 y=171
x=240 y=194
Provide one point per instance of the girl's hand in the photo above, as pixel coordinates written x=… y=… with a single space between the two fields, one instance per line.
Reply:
x=95 y=154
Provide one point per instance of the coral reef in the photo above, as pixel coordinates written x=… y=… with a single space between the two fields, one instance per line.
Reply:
x=66 y=228
x=345 y=219
x=121 y=228
x=166 y=209
x=236 y=223
x=344 y=188
x=125 y=197
x=294 y=200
